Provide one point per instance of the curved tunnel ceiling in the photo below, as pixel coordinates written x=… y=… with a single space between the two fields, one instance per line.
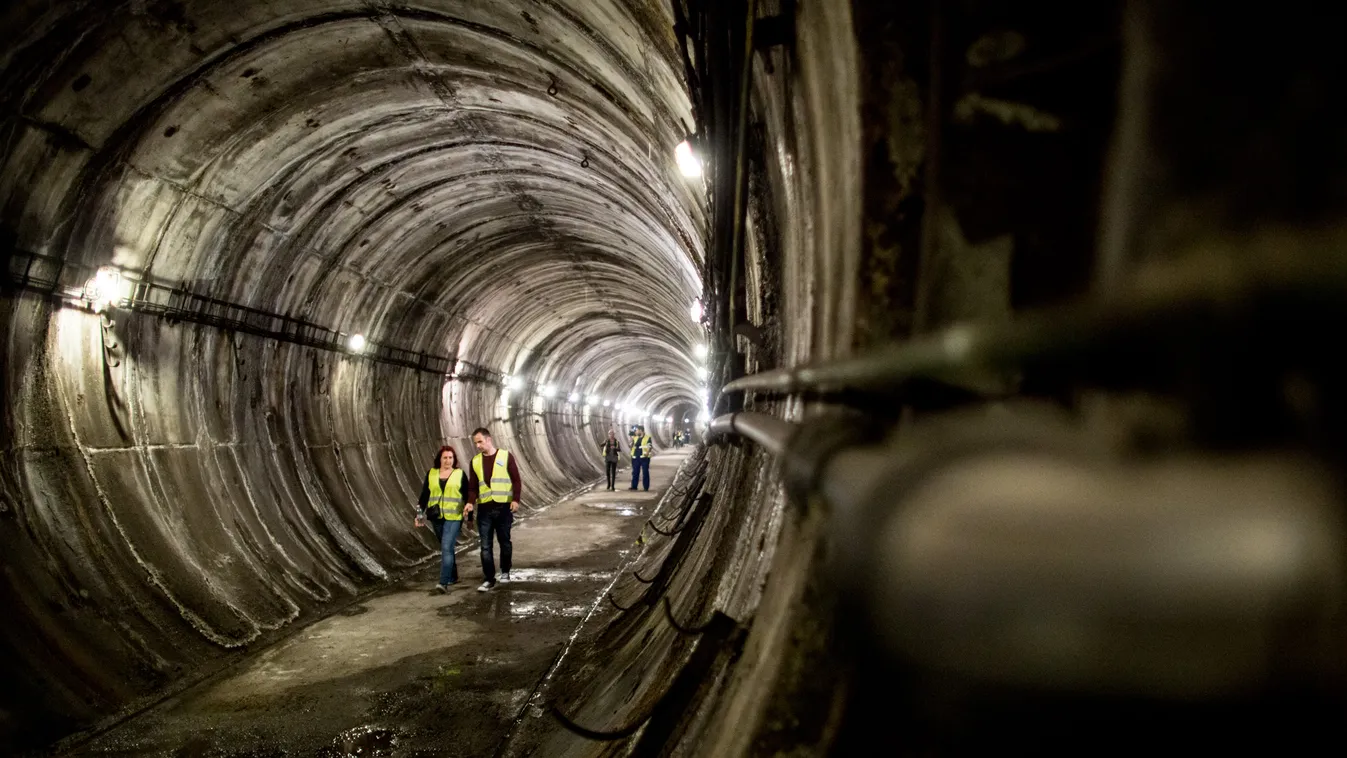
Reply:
x=492 y=181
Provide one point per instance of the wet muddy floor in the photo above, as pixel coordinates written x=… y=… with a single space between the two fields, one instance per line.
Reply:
x=407 y=671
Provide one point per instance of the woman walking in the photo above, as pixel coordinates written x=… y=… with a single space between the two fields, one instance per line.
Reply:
x=612 y=452
x=442 y=506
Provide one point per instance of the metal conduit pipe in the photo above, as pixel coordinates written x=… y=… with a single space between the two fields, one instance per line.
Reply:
x=880 y=368
x=1301 y=288
x=1009 y=551
x=741 y=159
x=771 y=432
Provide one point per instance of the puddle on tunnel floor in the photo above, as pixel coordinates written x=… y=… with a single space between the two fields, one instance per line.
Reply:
x=554 y=576
x=540 y=608
x=514 y=605
x=621 y=509
x=361 y=741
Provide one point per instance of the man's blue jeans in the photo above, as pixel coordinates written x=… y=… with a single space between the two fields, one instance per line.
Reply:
x=447 y=531
x=640 y=466
x=494 y=519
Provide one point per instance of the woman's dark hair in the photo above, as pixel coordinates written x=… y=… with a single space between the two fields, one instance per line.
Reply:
x=436 y=462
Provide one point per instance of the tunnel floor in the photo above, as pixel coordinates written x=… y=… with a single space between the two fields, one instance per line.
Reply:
x=407 y=671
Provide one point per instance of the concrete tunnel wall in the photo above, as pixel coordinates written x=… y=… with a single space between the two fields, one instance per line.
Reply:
x=748 y=555
x=169 y=491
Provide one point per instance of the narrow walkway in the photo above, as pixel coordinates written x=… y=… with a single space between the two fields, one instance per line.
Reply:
x=407 y=671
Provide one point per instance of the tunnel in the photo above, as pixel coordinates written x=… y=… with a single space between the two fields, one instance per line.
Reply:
x=264 y=257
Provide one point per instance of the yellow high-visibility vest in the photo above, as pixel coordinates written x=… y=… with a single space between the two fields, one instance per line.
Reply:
x=640 y=447
x=450 y=497
x=497 y=489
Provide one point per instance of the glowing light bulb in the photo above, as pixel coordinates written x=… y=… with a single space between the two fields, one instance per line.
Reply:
x=107 y=288
x=688 y=162
x=513 y=382
x=700 y=350
x=573 y=397
x=356 y=343
x=696 y=311
x=548 y=390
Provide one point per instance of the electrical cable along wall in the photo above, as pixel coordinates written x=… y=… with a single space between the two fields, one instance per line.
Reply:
x=485 y=194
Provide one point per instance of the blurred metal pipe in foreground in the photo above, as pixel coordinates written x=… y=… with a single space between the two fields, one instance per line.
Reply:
x=771 y=432
x=1004 y=550
x=1016 y=559
x=1297 y=283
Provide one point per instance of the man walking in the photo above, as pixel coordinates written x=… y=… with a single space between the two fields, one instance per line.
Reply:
x=640 y=457
x=493 y=491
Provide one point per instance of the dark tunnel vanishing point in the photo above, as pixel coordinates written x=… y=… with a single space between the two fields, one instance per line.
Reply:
x=1024 y=425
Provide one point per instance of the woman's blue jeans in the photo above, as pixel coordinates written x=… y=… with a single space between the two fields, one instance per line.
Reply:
x=447 y=531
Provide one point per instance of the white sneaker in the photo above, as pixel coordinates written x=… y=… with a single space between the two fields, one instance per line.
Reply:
x=441 y=588
x=484 y=586
x=505 y=576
